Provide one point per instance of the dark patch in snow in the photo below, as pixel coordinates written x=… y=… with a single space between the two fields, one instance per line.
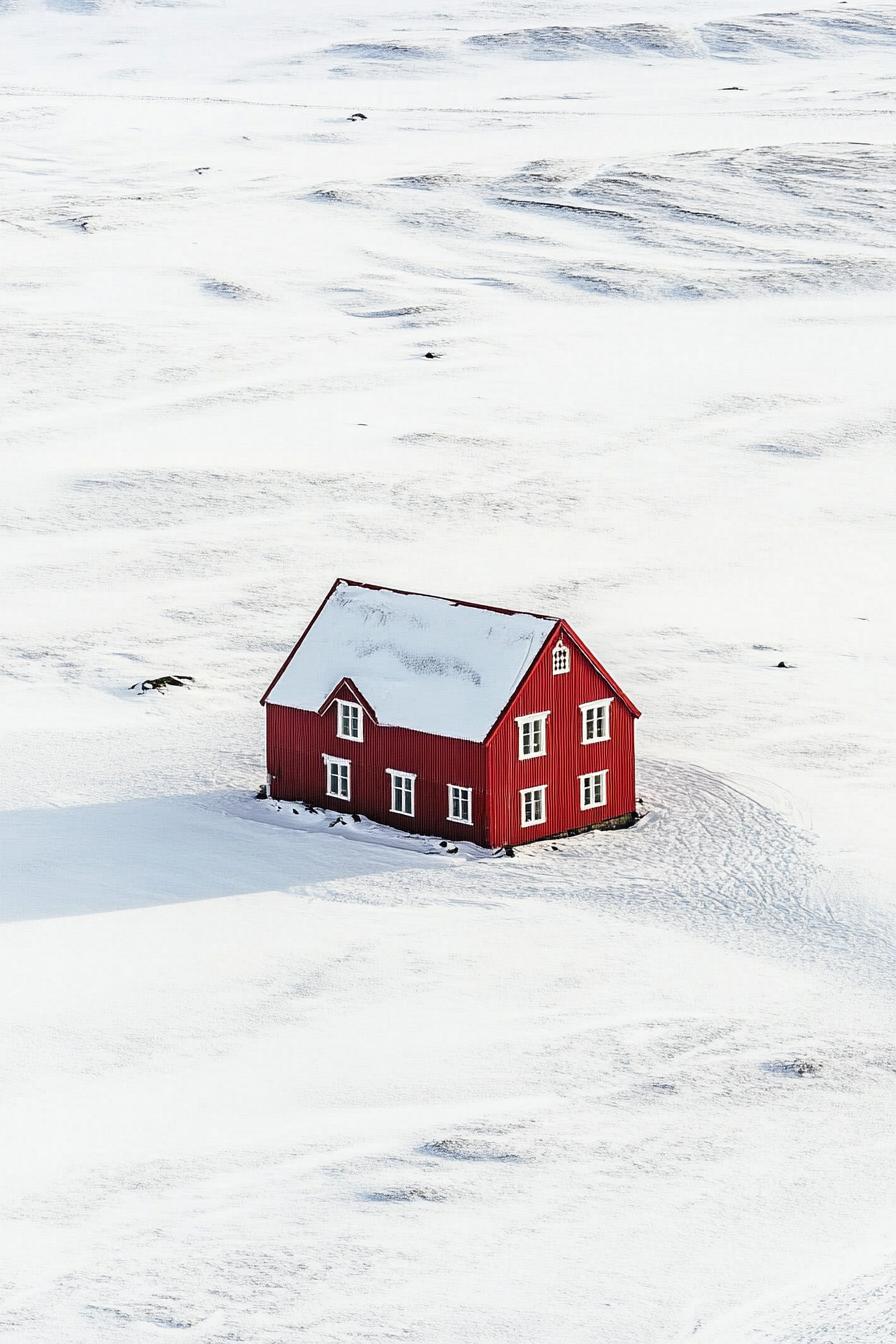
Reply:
x=799 y=1067
x=226 y=289
x=381 y=51
x=561 y=40
x=161 y=684
x=405 y=1195
x=468 y=1149
x=787 y=448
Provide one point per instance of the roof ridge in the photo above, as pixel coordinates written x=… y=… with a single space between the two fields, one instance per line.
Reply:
x=455 y=601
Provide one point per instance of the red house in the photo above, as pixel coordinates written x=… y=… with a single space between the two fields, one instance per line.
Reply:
x=449 y=718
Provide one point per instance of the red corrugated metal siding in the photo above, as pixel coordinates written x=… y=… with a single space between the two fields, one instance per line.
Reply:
x=566 y=758
x=297 y=739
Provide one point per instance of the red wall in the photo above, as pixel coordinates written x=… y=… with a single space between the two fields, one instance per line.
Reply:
x=566 y=758
x=297 y=739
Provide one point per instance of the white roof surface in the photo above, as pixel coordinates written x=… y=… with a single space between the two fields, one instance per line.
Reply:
x=421 y=662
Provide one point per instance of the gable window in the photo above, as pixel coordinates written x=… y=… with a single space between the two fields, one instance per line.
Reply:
x=349 y=720
x=596 y=721
x=460 y=804
x=338 y=777
x=593 y=790
x=532 y=730
x=560 y=658
x=402 y=792
x=533 y=805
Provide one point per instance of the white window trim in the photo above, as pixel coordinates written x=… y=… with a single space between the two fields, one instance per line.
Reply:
x=560 y=647
x=347 y=737
x=461 y=821
x=596 y=704
x=404 y=774
x=593 y=774
x=532 y=718
x=338 y=760
x=534 y=788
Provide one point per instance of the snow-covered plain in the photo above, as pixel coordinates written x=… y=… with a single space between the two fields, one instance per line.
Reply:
x=265 y=1080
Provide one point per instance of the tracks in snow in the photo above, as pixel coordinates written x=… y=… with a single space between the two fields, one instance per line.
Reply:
x=713 y=860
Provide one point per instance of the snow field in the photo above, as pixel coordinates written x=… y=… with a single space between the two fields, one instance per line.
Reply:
x=263 y=1079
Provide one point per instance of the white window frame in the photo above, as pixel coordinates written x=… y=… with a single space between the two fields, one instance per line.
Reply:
x=598 y=795
x=349 y=705
x=532 y=721
x=595 y=705
x=560 y=659
x=541 y=789
x=395 y=775
x=329 y=763
x=465 y=796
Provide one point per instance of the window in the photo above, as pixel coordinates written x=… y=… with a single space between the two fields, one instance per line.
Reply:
x=460 y=804
x=596 y=721
x=532 y=729
x=560 y=658
x=533 y=807
x=349 y=720
x=593 y=790
x=338 y=774
x=402 y=792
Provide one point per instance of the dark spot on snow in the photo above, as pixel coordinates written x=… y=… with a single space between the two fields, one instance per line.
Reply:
x=226 y=289
x=782 y=664
x=469 y=1149
x=799 y=1067
x=358 y=116
x=380 y=51
x=160 y=684
x=787 y=448
x=404 y=1195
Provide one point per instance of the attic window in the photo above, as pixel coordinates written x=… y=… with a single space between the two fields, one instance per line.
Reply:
x=560 y=658
x=349 y=721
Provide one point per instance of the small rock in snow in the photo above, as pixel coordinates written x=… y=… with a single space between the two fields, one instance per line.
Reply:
x=160 y=683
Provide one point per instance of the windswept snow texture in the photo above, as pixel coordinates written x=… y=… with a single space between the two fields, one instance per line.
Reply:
x=420 y=662
x=751 y=37
x=270 y=1075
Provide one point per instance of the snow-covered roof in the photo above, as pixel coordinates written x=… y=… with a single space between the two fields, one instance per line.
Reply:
x=427 y=663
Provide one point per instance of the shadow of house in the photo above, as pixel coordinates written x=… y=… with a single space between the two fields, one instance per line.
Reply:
x=62 y=861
